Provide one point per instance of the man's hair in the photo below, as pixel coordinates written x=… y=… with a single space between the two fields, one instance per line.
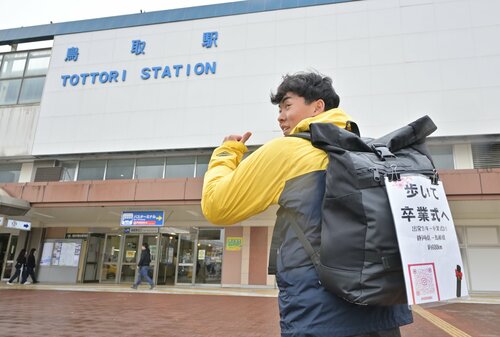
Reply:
x=311 y=86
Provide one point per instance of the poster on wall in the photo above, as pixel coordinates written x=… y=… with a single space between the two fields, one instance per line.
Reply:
x=67 y=253
x=76 y=255
x=61 y=253
x=170 y=258
x=56 y=253
x=46 y=254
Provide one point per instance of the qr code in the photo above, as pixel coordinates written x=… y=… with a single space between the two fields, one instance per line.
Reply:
x=424 y=284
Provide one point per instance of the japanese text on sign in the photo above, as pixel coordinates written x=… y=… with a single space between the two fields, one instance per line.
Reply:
x=427 y=239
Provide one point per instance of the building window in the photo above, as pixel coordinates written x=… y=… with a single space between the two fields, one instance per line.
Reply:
x=120 y=169
x=38 y=63
x=69 y=170
x=9 y=173
x=180 y=167
x=149 y=168
x=91 y=170
x=202 y=165
x=22 y=76
x=9 y=91
x=486 y=155
x=32 y=89
x=442 y=155
x=13 y=65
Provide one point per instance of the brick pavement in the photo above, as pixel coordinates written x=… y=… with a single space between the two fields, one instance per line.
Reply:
x=35 y=312
x=59 y=313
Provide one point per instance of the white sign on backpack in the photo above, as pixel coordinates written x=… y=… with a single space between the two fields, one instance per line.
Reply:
x=432 y=263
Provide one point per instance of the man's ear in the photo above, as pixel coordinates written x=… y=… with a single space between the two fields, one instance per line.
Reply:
x=319 y=106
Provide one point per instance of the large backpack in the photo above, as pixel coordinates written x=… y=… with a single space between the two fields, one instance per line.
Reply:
x=359 y=257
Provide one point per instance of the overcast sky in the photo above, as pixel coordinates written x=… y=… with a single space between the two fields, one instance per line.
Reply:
x=14 y=14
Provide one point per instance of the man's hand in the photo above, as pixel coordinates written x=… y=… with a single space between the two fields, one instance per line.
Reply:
x=242 y=139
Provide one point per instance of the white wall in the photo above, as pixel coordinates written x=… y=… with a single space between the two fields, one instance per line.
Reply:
x=391 y=61
x=482 y=254
x=17 y=130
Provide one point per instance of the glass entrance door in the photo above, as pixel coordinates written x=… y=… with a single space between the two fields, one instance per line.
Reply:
x=110 y=259
x=4 y=247
x=152 y=241
x=209 y=264
x=131 y=253
x=186 y=258
x=94 y=250
x=10 y=257
x=167 y=258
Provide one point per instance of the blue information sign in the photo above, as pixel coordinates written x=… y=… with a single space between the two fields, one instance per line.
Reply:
x=142 y=218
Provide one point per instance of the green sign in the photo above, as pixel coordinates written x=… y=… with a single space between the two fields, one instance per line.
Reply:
x=234 y=243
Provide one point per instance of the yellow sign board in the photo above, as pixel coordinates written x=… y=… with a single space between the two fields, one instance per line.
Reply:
x=130 y=254
x=234 y=243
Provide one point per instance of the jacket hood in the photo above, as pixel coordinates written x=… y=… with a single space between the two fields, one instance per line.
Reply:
x=336 y=116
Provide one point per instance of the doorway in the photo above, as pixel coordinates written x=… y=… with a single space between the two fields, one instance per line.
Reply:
x=122 y=254
x=95 y=245
x=110 y=258
x=200 y=257
x=186 y=267
x=130 y=257
x=4 y=245
x=152 y=241
x=9 y=258
x=167 y=259
x=210 y=248
x=177 y=258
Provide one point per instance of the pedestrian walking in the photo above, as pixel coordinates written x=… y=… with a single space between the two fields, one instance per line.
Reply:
x=30 y=268
x=143 y=266
x=20 y=263
x=290 y=172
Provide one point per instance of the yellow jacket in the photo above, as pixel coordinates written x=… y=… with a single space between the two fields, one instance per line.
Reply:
x=236 y=189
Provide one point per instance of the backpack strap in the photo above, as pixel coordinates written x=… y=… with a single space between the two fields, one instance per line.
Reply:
x=276 y=243
x=313 y=255
x=275 y=246
x=351 y=128
x=304 y=135
x=388 y=261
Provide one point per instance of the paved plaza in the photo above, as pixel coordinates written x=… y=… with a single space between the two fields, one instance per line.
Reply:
x=51 y=310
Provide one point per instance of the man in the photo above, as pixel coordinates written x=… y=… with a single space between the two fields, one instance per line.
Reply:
x=290 y=172
x=30 y=268
x=143 y=266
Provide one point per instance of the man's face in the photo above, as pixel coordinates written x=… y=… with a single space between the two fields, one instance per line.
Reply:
x=293 y=109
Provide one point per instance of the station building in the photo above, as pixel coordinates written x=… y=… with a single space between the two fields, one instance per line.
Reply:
x=111 y=119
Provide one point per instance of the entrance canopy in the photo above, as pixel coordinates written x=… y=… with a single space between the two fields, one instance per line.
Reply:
x=12 y=206
x=100 y=216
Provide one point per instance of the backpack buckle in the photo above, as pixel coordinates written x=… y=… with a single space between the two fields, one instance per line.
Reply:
x=435 y=178
x=394 y=174
x=382 y=151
